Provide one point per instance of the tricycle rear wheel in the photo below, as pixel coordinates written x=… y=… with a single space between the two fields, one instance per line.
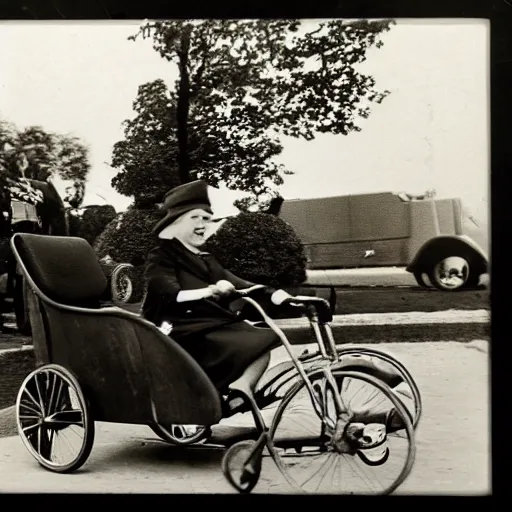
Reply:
x=181 y=435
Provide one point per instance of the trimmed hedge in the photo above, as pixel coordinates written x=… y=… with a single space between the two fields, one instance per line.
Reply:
x=261 y=248
x=256 y=246
x=128 y=238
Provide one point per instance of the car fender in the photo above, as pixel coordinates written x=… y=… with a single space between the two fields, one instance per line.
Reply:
x=431 y=249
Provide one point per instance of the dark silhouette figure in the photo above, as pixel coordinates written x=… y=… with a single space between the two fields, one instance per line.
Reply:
x=51 y=220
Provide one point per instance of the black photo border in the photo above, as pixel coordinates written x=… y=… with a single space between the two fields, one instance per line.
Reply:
x=499 y=14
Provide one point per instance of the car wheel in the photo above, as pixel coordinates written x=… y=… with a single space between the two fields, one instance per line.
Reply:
x=451 y=273
x=420 y=278
x=121 y=283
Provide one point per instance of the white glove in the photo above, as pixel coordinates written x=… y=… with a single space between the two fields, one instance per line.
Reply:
x=279 y=296
x=225 y=287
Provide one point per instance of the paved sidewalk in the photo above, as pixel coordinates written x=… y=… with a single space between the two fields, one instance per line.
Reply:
x=453 y=441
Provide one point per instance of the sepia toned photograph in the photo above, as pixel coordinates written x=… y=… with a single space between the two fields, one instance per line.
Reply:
x=245 y=256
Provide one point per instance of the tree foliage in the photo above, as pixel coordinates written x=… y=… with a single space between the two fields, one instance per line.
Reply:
x=242 y=84
x=36 y=154
x=146 y=157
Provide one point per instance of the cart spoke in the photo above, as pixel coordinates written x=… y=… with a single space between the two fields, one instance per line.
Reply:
x=39 y=394
x=346 y=463
x=65 y=418
x=34 y=401
x=45 y=445
x=27 y=430
x=26 y=417
x=29 y=408
x=52 y=395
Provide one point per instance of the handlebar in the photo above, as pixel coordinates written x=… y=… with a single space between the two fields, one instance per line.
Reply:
x=309 y=305
x=247 y=291
x=312 y=306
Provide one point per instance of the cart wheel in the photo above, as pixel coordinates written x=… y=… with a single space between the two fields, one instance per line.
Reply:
x=397 y=366
x=53 y=417
x=182 y=435
x=359 y=441
x=242 y=476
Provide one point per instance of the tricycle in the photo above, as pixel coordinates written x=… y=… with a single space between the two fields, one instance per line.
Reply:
x=340 y=419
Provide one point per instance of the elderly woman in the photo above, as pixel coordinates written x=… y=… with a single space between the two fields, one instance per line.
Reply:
x=188 y=291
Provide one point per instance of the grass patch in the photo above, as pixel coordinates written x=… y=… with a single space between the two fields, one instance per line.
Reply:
x=14 y=367
x=404 y=300
x=8 y=426
x=350 y=301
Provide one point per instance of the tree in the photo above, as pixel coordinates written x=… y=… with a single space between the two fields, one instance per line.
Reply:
x=146 y=157
x=35 y=154
x=71 y=163
x=13 y=165
x=242 y=84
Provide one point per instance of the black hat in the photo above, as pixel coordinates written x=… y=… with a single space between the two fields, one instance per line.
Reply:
x=183 y=199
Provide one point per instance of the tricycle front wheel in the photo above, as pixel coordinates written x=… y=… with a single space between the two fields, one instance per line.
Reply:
x=239 y=471
x=361 y=442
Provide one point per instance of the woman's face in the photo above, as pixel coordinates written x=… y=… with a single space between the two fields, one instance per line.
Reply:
x=190 y=228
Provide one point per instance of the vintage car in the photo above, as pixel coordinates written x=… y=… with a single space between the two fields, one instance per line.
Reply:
x=26 y=218
x=434 y=239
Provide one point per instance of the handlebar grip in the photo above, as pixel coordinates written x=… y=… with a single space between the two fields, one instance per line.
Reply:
x=320 y=306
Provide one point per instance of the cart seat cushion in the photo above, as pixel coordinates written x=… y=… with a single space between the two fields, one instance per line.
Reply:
x=64 y=268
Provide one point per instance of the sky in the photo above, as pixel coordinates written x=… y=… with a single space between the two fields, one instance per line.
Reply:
x=431 y=132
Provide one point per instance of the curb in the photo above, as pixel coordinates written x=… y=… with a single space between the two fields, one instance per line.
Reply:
x=480 y=345
x=16 y=349
x=442 y=323
x=452 y=316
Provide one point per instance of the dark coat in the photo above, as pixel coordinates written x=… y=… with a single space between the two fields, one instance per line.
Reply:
x=214 y=334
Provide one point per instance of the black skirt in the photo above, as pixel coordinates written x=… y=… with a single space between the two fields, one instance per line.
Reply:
x=226 y=352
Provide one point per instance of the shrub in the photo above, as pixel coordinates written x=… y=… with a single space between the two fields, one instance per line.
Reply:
x=89 y=222
x=94 y=220
x=128 y=238
x=261 y=248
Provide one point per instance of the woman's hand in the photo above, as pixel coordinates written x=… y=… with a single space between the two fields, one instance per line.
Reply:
x=214 y=292
x=279 y=296
x=220 y=289
x=225 y=287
